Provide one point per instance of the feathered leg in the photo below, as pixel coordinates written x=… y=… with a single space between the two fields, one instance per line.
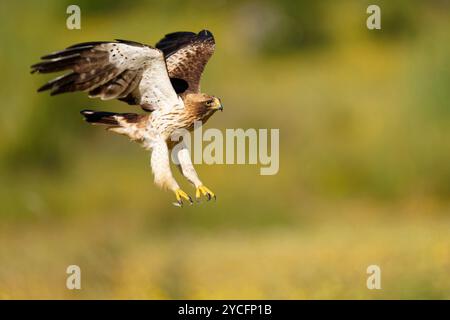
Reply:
x=187 y=169
x=161 y=170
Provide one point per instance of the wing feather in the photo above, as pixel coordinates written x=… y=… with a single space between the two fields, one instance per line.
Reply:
x=187 y=54
x=111 y=70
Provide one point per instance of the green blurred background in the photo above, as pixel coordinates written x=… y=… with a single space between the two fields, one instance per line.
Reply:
x=364 y=176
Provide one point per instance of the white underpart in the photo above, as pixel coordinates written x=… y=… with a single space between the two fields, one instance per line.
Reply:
x=187 y=168
x=154 y=90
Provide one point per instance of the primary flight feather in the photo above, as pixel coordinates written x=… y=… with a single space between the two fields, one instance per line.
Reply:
x=164 y=80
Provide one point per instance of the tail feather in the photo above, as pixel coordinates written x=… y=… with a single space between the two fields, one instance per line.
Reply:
x=109 y=118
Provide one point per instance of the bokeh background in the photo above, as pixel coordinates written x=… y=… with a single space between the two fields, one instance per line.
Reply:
x=364 y=176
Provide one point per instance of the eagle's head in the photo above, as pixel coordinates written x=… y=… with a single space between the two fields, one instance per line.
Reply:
x=202 y=106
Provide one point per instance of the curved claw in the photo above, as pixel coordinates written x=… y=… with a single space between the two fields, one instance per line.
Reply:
x=180 y=195
x=202 y=190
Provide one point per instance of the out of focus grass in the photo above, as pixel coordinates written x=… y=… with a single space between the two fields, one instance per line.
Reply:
x=326 y=260
x=364 y=165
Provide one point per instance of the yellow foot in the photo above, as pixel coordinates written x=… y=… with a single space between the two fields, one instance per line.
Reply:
x=180 y=195
x=202 y=190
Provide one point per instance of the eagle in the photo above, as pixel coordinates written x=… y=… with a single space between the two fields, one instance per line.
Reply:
x=163 y=80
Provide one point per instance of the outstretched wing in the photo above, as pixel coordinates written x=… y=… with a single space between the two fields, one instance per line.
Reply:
x=186 y=56
x=121 y=69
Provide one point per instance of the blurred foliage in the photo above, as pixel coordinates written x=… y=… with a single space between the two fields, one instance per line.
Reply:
x=364 y=165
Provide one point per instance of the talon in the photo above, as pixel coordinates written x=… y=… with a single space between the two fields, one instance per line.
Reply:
x=180 y=195
x=202 y=190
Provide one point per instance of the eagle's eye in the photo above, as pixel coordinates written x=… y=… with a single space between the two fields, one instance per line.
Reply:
x=209 y=103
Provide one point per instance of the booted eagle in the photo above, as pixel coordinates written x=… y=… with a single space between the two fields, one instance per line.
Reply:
x=165 y=81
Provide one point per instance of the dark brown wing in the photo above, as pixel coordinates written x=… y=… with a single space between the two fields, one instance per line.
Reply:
x=111 y=70
x=186 y=56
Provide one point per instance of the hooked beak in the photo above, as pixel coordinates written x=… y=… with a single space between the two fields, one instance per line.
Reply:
x=218 y=104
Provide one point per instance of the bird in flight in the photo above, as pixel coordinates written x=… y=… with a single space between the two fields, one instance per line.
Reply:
x=163 y=80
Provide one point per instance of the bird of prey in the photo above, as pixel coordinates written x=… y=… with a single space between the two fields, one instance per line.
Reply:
x=163 y=80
